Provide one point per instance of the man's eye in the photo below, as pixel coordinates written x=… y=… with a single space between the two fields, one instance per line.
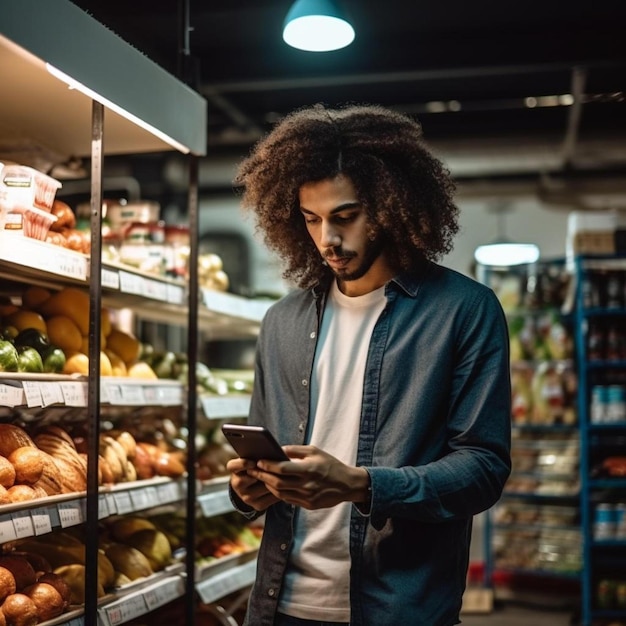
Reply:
x=344 y=219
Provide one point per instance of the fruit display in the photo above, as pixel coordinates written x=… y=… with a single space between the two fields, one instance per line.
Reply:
x=49 y=332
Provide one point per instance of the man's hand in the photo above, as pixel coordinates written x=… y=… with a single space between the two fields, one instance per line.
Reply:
x=312 y=479
x=251 y=491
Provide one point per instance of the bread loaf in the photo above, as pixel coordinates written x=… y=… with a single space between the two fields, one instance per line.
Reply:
x=28 y=463
x=7 y=473
x=13 y=437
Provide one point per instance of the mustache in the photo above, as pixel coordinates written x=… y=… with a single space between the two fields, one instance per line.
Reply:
x=338 y=251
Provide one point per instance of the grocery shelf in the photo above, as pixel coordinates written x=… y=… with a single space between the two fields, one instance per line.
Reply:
x=225 y=575
x=43 y=515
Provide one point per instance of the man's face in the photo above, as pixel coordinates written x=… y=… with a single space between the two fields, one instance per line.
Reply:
x=337 y=223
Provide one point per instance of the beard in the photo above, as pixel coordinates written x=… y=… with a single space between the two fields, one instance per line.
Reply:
x=372 y=251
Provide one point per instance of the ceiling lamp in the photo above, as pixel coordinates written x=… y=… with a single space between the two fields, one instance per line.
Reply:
x=503 y=252
x=317 y=26
x=506 y=253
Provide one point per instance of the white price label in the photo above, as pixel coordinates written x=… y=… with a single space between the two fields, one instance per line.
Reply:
x=127 y=609
x=110 y=278
x=103 y=507
x=175 y=294
x=123 y=503
x=113 y=392
x=41 y=521
x=131 y=283
x=32 y=391
x=217 y=503
x=70 y=513
x=139 y=499
x=7 y=529
x=74 y=393
x=71 y=265
x=51 y=393
x=152 y=497
x=23 y=524
x=155 y=289
x=168 y=590
x=11 y=396
x=111 y=504
x=132 y=395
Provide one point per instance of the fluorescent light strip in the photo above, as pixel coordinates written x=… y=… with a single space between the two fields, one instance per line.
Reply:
x=74 y=84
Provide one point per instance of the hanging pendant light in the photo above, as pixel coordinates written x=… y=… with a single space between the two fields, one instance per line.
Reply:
x=317 y=26
x=503 y=252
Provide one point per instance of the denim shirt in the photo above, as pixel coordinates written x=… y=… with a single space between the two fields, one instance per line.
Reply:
x=434 y=437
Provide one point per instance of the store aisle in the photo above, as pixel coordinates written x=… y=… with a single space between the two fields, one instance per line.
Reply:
x=510 y=615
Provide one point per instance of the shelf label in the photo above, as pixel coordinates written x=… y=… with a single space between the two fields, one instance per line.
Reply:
x=132 y=395
x=217 y=503
x=126 y=609
x=175 y=294
x=131 y=283
x=110 y=278
x=103 y=507
x=7 y=529
x=70 y=513
x=111 y=503
x=123 y=503
x=217 y=407
x=155 y=289
x=32 y=392
x=139 y=499
x=74 y=393
x=222 y=584
x=165 y=592
x=67 y=264
x=23 y=524
x=51 y=393
x=41 y=520
x=11 y=396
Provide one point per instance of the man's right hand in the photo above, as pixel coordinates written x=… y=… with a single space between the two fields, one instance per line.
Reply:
x=251 y=492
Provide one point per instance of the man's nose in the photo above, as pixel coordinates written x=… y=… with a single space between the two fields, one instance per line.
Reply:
x=330 y=236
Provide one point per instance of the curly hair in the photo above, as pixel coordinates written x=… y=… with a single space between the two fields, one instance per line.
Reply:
x=406 y=192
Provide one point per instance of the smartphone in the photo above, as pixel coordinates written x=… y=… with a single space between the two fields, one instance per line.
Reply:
x=253 y=442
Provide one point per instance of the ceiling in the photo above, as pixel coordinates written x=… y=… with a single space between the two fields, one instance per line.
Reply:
x=501 y=88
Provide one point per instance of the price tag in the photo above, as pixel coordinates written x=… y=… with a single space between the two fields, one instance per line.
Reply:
x=23 y=524
x=175 y=294
x=7 y=529
x=131 y=283
x=72 y=265
x=139 y=499
x=41 y=520
x=51 y=393
x=74 y=393
x=152 y=497
x=113 y=392
x=155 y=289
x=217 y=503
x=125 y=610
x=110 y=278
x=132 y=395
x=11 y=396
x=123 y=503
x=103 y=506
x=32 y=391
x=70 y=513
x=111 y=504
x=217 y=407
x=168 y=492
x=168 y=590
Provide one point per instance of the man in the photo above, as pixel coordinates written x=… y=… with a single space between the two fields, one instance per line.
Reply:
x=384 y=375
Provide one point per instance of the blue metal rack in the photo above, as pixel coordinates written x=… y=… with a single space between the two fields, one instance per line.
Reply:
x=602 y=557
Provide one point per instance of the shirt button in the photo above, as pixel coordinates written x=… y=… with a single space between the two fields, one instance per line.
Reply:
x=301 y=427
x=283 y=546
x=312 y=335
x=305 y=382
x=271 y=592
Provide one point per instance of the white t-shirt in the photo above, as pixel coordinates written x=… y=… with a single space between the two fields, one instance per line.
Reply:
x=317 y=582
